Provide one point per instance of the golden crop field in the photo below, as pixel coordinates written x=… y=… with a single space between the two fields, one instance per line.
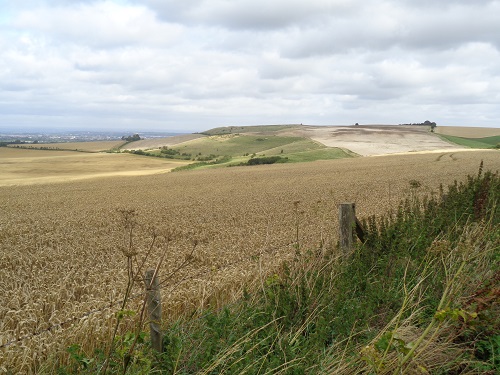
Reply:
x=152 y=143
x=26 y=167
x=467 y=132
x=96 y=146
x=62 y=268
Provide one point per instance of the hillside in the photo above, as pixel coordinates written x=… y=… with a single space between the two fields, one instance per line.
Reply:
x=467 y=132
x=231 y=149
x=365 y=140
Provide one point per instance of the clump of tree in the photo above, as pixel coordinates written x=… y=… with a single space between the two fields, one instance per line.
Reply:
x=266 y=160
x=131 y=138
x=432 y=124
x=16 y=142
x=169 y=152
x=207 y=157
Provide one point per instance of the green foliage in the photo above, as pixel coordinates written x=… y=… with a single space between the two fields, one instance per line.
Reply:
x=266 y=160
x=328 y=153
x=222 y=160
x=249 y=129
x=132 y=138
x=236 y=145
x=15 y=142
x=482 y=143
x=488 y=351
x=169 y=151
x=79 y=358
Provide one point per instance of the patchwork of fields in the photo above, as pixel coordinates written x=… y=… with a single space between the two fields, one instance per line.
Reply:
x=61 y=245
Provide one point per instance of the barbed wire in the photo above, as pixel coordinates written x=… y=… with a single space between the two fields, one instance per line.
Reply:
x=136 y=295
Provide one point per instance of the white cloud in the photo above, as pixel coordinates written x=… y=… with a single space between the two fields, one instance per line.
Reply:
x=250 y=14
x=195 y=64
x=99 y=24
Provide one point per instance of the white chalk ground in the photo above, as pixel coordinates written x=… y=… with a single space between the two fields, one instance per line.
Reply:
x=370 y=140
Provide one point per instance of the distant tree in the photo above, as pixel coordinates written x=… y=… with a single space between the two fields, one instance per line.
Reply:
x=132 y=138
x=425 y=123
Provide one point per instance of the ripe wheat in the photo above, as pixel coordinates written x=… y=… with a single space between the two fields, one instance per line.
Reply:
x=60 y=245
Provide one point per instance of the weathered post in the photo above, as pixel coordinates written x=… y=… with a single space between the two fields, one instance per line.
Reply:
x=347 y=224
x=154 y=309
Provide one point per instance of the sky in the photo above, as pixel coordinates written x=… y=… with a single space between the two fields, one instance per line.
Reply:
x=191 y=65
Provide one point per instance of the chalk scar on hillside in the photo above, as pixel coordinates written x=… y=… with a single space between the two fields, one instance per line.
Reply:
x=372 y=140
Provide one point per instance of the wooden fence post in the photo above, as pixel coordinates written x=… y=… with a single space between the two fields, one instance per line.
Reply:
x=347 y=223
x=154 y=309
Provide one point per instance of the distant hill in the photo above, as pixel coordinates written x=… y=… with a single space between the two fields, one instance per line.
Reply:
x=470 y=136
x=249 y=129
x=467 y=132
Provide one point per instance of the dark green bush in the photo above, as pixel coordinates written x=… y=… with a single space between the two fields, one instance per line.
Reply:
x=266 y=160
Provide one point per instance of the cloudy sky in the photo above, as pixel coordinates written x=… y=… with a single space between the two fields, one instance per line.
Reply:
x=189 y=65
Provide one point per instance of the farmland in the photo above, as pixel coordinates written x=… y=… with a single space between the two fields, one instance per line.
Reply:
x=470 y=137
x=467 y=132
x=61 y=252
x=486 y=142
x=96 y=146
x=26 y=167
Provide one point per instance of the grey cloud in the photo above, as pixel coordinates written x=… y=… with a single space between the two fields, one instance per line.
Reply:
x=382 y=28
x=203 y=63
x=249 y=14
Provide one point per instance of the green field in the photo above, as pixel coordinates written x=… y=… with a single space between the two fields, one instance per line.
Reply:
x=486 y=142
x=495 y=140
x=235 y=149
x=235 y=145
x=248 y=129
x=241 y=147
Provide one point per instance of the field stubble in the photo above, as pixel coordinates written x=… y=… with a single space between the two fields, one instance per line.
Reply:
x=60 y=244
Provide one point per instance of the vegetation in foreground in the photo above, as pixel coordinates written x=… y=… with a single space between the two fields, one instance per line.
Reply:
x=420 y=296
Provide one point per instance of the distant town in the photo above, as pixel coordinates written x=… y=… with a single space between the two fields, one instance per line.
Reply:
x=73 y=136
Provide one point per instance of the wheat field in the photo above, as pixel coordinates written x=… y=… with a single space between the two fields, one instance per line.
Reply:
x=467 y=132
x=29 y=167
x=93 y=146
x=62 y=268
